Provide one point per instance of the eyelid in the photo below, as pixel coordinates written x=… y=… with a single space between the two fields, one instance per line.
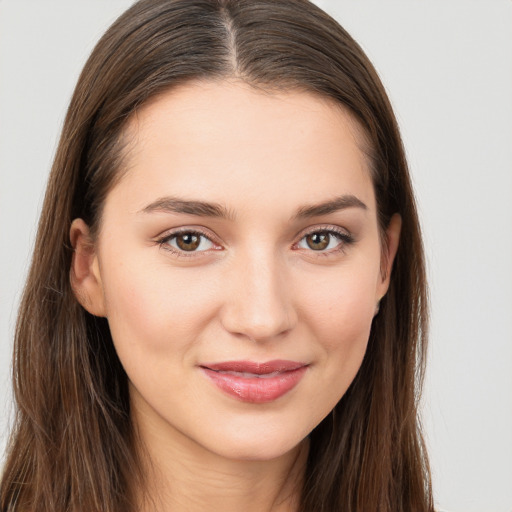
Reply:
x=346 y=238
x=163 y=239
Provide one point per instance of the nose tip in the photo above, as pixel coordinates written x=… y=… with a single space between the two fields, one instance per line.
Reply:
x=259 y=305
x=259 y=331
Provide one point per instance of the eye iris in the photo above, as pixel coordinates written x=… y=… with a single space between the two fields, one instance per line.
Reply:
x=318 y=241
x=188 y=241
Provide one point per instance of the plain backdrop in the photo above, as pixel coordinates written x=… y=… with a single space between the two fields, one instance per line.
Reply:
x=448 y=68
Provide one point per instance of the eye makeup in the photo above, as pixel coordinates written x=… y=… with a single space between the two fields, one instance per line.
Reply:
x=325 y=240
x=194 y=242
x=188 y=242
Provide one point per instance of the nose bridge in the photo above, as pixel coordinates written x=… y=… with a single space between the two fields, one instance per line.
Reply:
x=259 y=306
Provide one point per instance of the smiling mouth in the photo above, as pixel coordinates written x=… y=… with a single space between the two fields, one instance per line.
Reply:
x=255 y=382
x=248 y=375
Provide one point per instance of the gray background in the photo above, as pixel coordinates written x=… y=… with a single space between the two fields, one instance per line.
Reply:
x=448 y=68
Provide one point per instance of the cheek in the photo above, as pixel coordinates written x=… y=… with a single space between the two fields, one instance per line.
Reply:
x=344 y=330
x=339 y=312
x=153 y=312
x=341 y=305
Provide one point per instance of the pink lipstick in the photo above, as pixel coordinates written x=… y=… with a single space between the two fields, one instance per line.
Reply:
x=255 y=382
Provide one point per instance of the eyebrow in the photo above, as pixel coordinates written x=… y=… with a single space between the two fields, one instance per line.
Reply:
x=199 y=208
x=206 y=209
x=334 y=205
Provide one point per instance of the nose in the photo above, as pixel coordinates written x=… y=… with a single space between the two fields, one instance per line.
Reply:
x=258 y=305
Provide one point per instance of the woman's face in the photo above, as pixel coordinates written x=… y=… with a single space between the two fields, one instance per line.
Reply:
x=239 y=265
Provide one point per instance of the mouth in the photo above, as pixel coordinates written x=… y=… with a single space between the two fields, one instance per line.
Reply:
x=253 y=382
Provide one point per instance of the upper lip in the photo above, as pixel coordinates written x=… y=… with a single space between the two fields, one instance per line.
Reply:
x=277 y=365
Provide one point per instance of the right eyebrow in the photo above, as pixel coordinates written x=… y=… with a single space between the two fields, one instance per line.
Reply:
x=177 y=205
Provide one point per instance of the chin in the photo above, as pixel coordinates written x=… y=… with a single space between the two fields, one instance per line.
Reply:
x=257 y=446
x=258 y=452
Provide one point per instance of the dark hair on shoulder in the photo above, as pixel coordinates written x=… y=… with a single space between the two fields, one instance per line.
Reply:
x=72 y=447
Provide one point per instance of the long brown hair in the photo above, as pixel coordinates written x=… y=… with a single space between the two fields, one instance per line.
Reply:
x=72 y=447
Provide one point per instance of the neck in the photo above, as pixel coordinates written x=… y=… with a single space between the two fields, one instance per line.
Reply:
x=181 y=476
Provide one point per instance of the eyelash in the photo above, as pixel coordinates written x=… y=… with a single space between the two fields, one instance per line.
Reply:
x=164 y=242
x=345 y=239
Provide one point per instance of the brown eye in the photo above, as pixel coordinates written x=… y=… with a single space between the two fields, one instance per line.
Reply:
x=318 y=241
x=325 y=241
x=188 y=241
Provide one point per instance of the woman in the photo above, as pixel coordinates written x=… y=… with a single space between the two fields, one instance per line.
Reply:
x=226 y=308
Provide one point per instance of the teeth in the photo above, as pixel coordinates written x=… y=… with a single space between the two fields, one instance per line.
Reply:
x=248 y=375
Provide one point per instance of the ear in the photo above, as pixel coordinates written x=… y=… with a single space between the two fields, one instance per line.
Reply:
x=389 y=249
x=85 y=274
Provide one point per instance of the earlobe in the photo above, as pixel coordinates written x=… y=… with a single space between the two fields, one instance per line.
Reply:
x=389 y=250
x=84 y=273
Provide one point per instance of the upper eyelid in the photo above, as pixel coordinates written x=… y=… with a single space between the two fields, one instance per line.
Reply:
x=164 y=239
x=323 y=228
x=195 y=230
x=344 y=236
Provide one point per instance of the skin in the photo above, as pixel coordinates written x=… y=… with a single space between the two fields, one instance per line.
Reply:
x=254 y=291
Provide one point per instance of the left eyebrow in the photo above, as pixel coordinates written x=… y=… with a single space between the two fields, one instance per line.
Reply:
x=331 y=206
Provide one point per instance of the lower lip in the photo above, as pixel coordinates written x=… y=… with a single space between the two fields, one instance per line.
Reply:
x=256 y=390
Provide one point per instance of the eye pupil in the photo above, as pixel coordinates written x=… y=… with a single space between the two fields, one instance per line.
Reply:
x=318 y=241
x=188 y=241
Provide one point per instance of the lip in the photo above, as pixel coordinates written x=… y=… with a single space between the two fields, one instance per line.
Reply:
x=254 y=382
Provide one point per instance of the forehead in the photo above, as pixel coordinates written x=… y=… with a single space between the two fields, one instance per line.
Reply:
x=236 y=143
